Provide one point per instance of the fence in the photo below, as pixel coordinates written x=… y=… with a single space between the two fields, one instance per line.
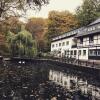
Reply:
x=73 y=61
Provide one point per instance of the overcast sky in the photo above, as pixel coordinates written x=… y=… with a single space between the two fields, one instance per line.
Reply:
x=59 y=5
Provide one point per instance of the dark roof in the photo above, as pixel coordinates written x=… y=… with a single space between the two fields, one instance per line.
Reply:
x=65 y=35
x=85 y=33
x=95 y=22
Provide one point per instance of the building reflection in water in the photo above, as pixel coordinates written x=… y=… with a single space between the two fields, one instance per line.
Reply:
x=73 y=83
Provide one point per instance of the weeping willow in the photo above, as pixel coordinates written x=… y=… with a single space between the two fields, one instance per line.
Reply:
x=22 y=44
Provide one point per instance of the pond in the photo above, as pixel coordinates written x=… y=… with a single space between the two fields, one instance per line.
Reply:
x=45 y=81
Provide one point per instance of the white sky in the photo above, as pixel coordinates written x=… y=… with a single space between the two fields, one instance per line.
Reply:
x=59 y=5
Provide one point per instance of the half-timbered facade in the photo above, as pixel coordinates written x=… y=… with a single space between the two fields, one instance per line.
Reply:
x=82 y=43
x=89 y=40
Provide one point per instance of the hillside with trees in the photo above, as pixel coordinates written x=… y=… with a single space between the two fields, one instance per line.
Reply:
x=41 y=30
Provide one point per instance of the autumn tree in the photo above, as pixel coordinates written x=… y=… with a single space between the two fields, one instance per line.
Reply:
x=11 y=23
x=38 y=26
x=60 y=22
x=10 y=8
x=3 y=45
x=88 y=12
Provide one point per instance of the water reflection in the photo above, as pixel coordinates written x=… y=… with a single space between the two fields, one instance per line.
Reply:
x=73 y=83
x=43 y=81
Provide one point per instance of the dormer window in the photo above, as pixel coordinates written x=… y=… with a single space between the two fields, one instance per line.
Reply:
x=91 y=29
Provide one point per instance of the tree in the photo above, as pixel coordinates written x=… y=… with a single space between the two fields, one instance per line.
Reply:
x=7 y=6
x=37 y=26
x=12 y=24
x=3 y=45
x=60 y=22
x=22 y=44
x=88 y=12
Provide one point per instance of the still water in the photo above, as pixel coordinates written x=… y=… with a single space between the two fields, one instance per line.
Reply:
x=45 y=81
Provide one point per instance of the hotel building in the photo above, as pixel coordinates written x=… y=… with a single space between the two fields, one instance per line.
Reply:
x=82 y=43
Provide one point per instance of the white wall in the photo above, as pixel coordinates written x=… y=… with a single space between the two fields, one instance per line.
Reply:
x=80 y=46
x=62 y=48
x=82 y=56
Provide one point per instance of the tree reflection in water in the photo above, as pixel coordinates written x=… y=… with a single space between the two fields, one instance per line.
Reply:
x=32 y=82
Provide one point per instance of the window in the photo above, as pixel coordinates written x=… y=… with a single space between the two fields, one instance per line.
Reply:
x=90 y=52
x=98 y=53
x=81 y=41
x=95 y=52
x=67 y=43
x=68 y=52
x=53 y=45
x=56 y=45
x=59 y=44
x=90 y=39
x=71 y=52
x=79 y=52
x=65 y=52
x=75 y=53
x=84 y=52
x=93 y=28
x=63 y=43
x=65 y=83
x=57 y=79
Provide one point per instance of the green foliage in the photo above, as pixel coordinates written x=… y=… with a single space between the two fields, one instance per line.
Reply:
x=88 y=12
x=22 y=44
x=4 y=51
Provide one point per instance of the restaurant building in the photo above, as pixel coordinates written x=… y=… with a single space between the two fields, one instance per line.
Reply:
x=82 y=43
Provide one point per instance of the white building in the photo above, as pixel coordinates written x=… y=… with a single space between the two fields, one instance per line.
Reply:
x=82 y=43
x=88 y=41
x=61 y=45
